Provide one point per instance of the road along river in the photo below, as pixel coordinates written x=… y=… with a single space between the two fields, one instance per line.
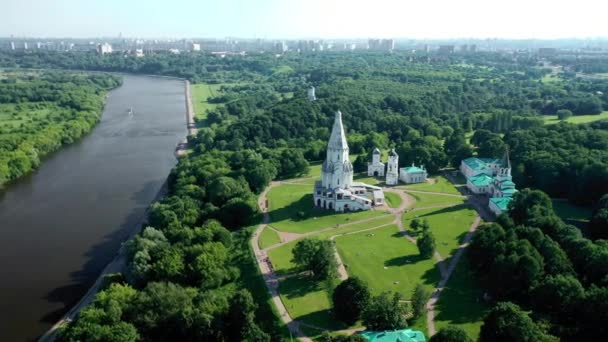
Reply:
x=61 y=225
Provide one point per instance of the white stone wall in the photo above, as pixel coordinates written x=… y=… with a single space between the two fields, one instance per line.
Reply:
x=392 y=170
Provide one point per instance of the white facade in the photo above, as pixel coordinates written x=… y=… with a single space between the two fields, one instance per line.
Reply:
x=336 y=189
x=104 y=48
x=413 y=174
x=392 y=169
x=376 y=167
x=311 y=94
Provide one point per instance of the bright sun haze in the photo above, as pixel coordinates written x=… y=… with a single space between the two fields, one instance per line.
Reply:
x=546 y=19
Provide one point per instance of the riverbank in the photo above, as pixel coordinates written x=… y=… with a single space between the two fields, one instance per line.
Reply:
x=118 y=265
x=182 y=147
x=46 y=125
x=64 y=224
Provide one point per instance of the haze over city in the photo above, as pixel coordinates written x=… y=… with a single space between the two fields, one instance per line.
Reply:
x=518 y=19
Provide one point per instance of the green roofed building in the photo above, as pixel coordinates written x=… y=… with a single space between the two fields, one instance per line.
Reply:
x=413 y=174
x=405 y=335
x=491 y=177
x=499 y=205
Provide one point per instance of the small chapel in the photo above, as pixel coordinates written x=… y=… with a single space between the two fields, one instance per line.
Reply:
x=394 y=174
x=336 y=189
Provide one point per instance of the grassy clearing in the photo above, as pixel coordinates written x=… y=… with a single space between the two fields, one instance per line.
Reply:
x=461 y=302
x=308 y=300
x=550 y=78
x=430 y=200
x=437 y=184
x=387 y=261
x=268 y=238
x=281 y=256
x=393 y=200
x=570 y=212
x=15 y=115
x=364 y=178
x=291 y=210
x=448 y=225
x=576 y=119
x=200 y=93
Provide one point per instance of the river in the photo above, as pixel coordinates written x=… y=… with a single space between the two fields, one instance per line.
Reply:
x=61 y=225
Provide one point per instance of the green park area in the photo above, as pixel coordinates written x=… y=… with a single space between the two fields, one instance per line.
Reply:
x=436 y=184
x=309 y=301
x=392 y=200
x=576 y=119
x=268 y=238
x=424 y=200
x=387 y=261
x=448 y=225
x=200 y=93
x=461 y=302
x=372 y=248
x=291 y=209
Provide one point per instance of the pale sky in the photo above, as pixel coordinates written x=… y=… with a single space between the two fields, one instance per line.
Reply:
x=421 y=19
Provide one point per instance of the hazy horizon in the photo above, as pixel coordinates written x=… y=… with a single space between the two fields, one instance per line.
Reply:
x=275 y=19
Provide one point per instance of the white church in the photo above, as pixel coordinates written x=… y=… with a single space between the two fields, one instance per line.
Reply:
x=336 y=189
x=394 y=174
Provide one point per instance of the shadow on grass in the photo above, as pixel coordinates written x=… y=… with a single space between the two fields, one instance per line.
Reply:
x=300 y=210
x=404 y=260
x=451 y=209
x=300 y=286
x=323 y=319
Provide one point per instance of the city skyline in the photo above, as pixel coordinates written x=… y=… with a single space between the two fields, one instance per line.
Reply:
x=272 y=19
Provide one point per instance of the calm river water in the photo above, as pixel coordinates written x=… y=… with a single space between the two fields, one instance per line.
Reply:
x=60 y=226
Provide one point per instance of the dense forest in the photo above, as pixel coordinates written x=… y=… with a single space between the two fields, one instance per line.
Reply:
x=553 y=272
x=40 y=111
x=191 y=276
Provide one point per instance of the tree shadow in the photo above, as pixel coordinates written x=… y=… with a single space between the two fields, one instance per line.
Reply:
x=300 y=210
x=322 y=319
x=404 y=260
x=445 y=210
x=102 y=253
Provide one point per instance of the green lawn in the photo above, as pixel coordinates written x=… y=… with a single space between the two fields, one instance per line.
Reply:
x=438 y=184
x=549 y=78
x=200 y=93
x=364 y=178
x=430 y=200
x=570 y=212
x=308 y=300
x=292 y=210
x=576 y=119
x=268 y=238
x=387 y=261
x=393 y=200
x=461 y=302
x=448 y=225
x=281 y=256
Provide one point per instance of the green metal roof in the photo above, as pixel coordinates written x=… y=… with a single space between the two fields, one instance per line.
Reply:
x=508 y=191
x=412 y=169
x=501 y=202
x=475 y=163
x=507 y=182
x=480 y=180
x=405 y=335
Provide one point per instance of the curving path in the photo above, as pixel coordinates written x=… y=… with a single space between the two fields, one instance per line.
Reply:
x=272 y=280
